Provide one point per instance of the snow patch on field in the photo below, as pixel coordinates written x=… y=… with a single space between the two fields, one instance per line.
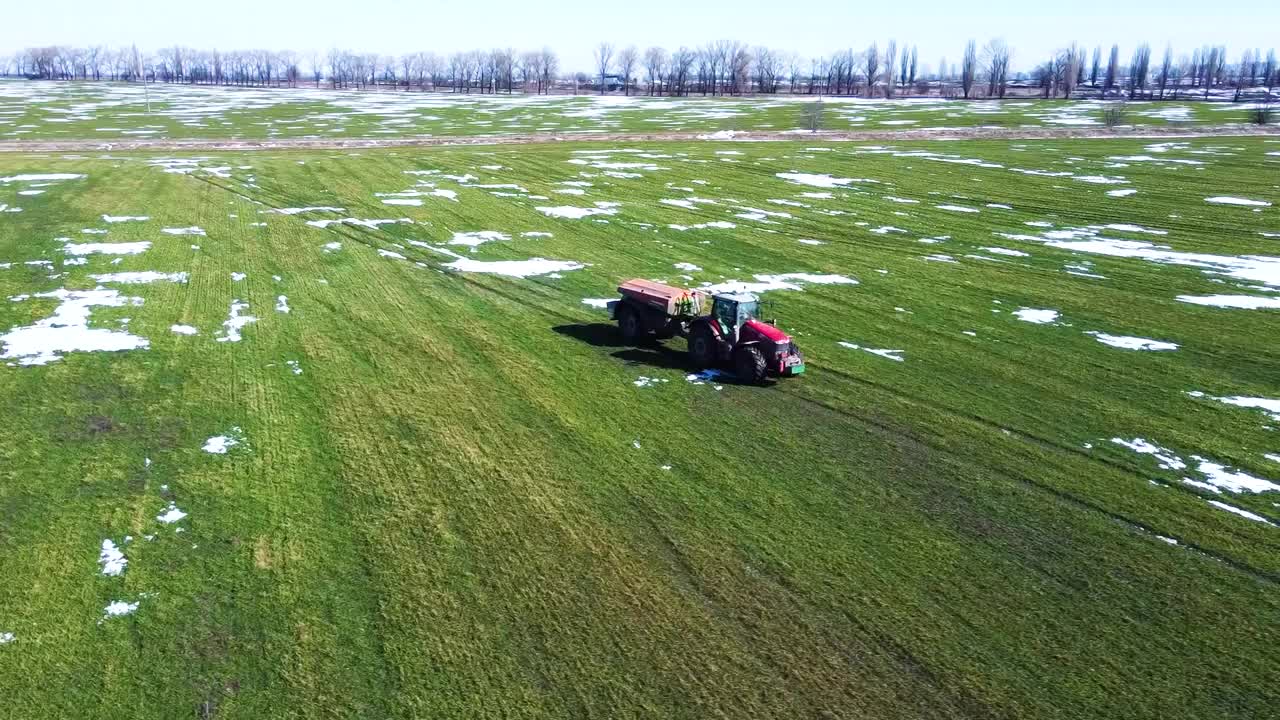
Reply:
x=220 y=444
x=316 y=208
x=183 y=329
x=600 y=303
x=68 y=329
x=882 y=352
x=235 y=322
x=38 y=177
x=822 y=181
x=574 y=213
x=785 y=281
x=193 y=230
x=1239 y=302
x=282 y=304
x=1167 y=459
x=1131 y=343
x=118 y=608
x=125 y=218
x=113 y=561
x=1225 y=200
x=1240 y=511
x=124 y=248
x=1036 y=315
x=1126 y=192
x=141 y=277
x=479 y=237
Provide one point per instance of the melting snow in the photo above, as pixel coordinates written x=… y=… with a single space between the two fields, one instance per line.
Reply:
x=1038 y=316
x=822 y=181
x=1166 y=458
x=1242 y=302
x=282 y=304
x=125 y=248
x=112 y=560
x=1131 y=343
x=118 y=608
x=125 y=218
x=1240 y=511
x=68 y=329
x=183 y=329
x=235 y=322
x=193 y=230
x=574 y=213
x=472 y=239
x=882 y=352
x=1223 y=200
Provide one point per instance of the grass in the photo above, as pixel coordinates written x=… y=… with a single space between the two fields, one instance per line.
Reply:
x=119 y=111
x=446 y=514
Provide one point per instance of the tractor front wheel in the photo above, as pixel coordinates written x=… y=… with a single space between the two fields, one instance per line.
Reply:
x=628 y=324
x=702 y=347
x=748 y=363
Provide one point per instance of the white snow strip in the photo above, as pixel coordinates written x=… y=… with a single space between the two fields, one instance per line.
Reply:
x=1131 y=343
x=1224 y=200
x=1167 y=459
x=882 y=352
x=183 y=329
x=193 y=230
x=1034 y=315
x=124 y=248
x=1241 y=302
x=140 y=277
x=40 y=177
x=125 y=218
x=479 y=237
x=1240 y=511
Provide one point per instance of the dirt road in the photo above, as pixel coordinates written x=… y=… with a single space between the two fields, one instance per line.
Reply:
x=1044 y=133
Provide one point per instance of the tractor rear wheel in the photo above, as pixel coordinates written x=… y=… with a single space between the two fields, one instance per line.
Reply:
x=748 y=364
x=702 y=347
x=628 y=324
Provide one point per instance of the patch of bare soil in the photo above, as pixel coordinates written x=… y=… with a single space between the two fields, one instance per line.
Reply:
x=1023 y=133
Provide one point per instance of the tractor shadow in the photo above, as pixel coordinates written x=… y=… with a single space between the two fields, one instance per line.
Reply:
x=648 y=352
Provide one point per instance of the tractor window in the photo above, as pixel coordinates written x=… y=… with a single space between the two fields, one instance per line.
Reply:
x=726 y=313
x=747 y=310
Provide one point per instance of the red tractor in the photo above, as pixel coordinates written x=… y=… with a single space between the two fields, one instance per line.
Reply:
x=730 y=335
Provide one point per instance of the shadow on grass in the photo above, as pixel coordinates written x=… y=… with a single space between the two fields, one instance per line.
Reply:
x=648 y=351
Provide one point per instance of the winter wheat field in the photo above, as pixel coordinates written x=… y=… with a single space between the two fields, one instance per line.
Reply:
x=322 y=433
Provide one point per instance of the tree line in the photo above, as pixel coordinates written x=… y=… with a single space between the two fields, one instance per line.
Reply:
x=723 y=67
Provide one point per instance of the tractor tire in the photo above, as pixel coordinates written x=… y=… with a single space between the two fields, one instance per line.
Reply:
x=628 y=325
x=748 y=364
x=702 y=347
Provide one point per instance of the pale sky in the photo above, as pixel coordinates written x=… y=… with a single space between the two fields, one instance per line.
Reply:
x=573 y=27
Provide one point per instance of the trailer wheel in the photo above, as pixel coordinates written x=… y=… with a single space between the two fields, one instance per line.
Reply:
x=628 y=324
x=748 y=364
x=702 y=347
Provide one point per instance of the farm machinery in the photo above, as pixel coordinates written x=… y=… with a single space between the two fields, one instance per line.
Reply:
x=725 y=332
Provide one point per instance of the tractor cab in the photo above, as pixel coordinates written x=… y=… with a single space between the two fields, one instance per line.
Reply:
x=732 y=311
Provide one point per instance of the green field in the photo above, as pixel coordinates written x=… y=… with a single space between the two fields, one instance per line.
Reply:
x=118 y=111
x=448 y=491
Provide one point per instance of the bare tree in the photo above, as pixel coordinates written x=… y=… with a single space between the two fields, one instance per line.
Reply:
x=655 y=66
x=871 y=63
x=1139 y=69
x=550 y=64
x=995 y=61
x=627 y=60
x=1113 y=71
x=890 y=57
x=682 y=61
x=1094 y=66
x=969 y=68
x=604 y=59
x=1166 y=70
